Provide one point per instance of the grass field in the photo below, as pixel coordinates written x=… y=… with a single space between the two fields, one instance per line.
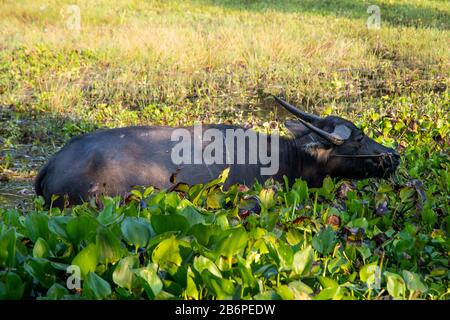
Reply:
x=173 y=63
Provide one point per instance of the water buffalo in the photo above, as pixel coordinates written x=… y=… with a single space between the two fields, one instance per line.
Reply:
x=112 y=161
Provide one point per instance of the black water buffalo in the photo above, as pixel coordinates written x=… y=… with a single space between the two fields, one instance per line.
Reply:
x=112 y=161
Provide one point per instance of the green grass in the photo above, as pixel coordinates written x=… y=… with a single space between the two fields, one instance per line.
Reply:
x=173 y=63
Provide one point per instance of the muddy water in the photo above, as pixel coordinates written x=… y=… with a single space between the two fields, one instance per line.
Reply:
x=16 y=195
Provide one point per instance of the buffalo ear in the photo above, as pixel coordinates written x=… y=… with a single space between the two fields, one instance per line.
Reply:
x=342 y=132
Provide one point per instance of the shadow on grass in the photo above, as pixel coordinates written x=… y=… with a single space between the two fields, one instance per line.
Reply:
x=398 y=15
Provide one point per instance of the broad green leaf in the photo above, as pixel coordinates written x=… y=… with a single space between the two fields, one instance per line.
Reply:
x=370 y=274
x=171 y=222
x=191 y=287
x=192 y=215
x=267 y=295
x=81 y=228
x=215 y=200
x=124 y=275
x=168 y=251
x=150 y=280
x=41 y=249
x=11 y=286
x=221 y=288
x=395 y=285
x=303 y=261
x=108 y=215
x=136 y=231
x=267 y=197
x=285 y=255
x=95 y=287
x=294 y=291
x=413 y=282
x=328 y=282
x=37 y=226
x=58 y=225
x=8 y=248
x=87 y=259
x=293 y=237
x=109 y=246
x=332 y=293
x=301 y=187
x=325 y=240
x=301 y=287
x=201 y=263
x=41 y=270
x=203 y=233
x=234 y=242
x=359 y=223
x=56 y=292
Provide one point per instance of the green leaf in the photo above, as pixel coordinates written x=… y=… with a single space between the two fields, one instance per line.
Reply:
x=168 y=252
x=192 y=215
x=325 y=240
x=203 y=233
x=328 y=282
x=303 y=261
x=11 y=286
x=191 y=287
x=234 y=241
x=395 y=285
x=327 y=187
x=332 y=293
x=413 y=282
x=37 y=226
x=171 y=222
x=95 y=287
x=150 y=280
x=202 y=263
x=108 y=215
x=58 y=225
x=359 y=223
x=293 y=237
x=109 y=247
x=221 y=288
x=136 y=231
x=124 y=275
x=56 y=292
x=267 y=295
x=285 y=255
x=41 y=270
x=267 y=197
x=369 y=274
x=407 y=194
x=215 y=200
x=41 y=249
x=301 y=187
x=8 y=248
x=87 y=259
x=81 y=228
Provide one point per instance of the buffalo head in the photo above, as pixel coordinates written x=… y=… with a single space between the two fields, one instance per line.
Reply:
x=342 y=149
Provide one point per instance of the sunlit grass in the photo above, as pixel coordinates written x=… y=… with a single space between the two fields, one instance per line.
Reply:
x=220 y=53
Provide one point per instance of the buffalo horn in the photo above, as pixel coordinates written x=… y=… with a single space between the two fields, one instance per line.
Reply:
x=306 y=118
x=295 y=111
